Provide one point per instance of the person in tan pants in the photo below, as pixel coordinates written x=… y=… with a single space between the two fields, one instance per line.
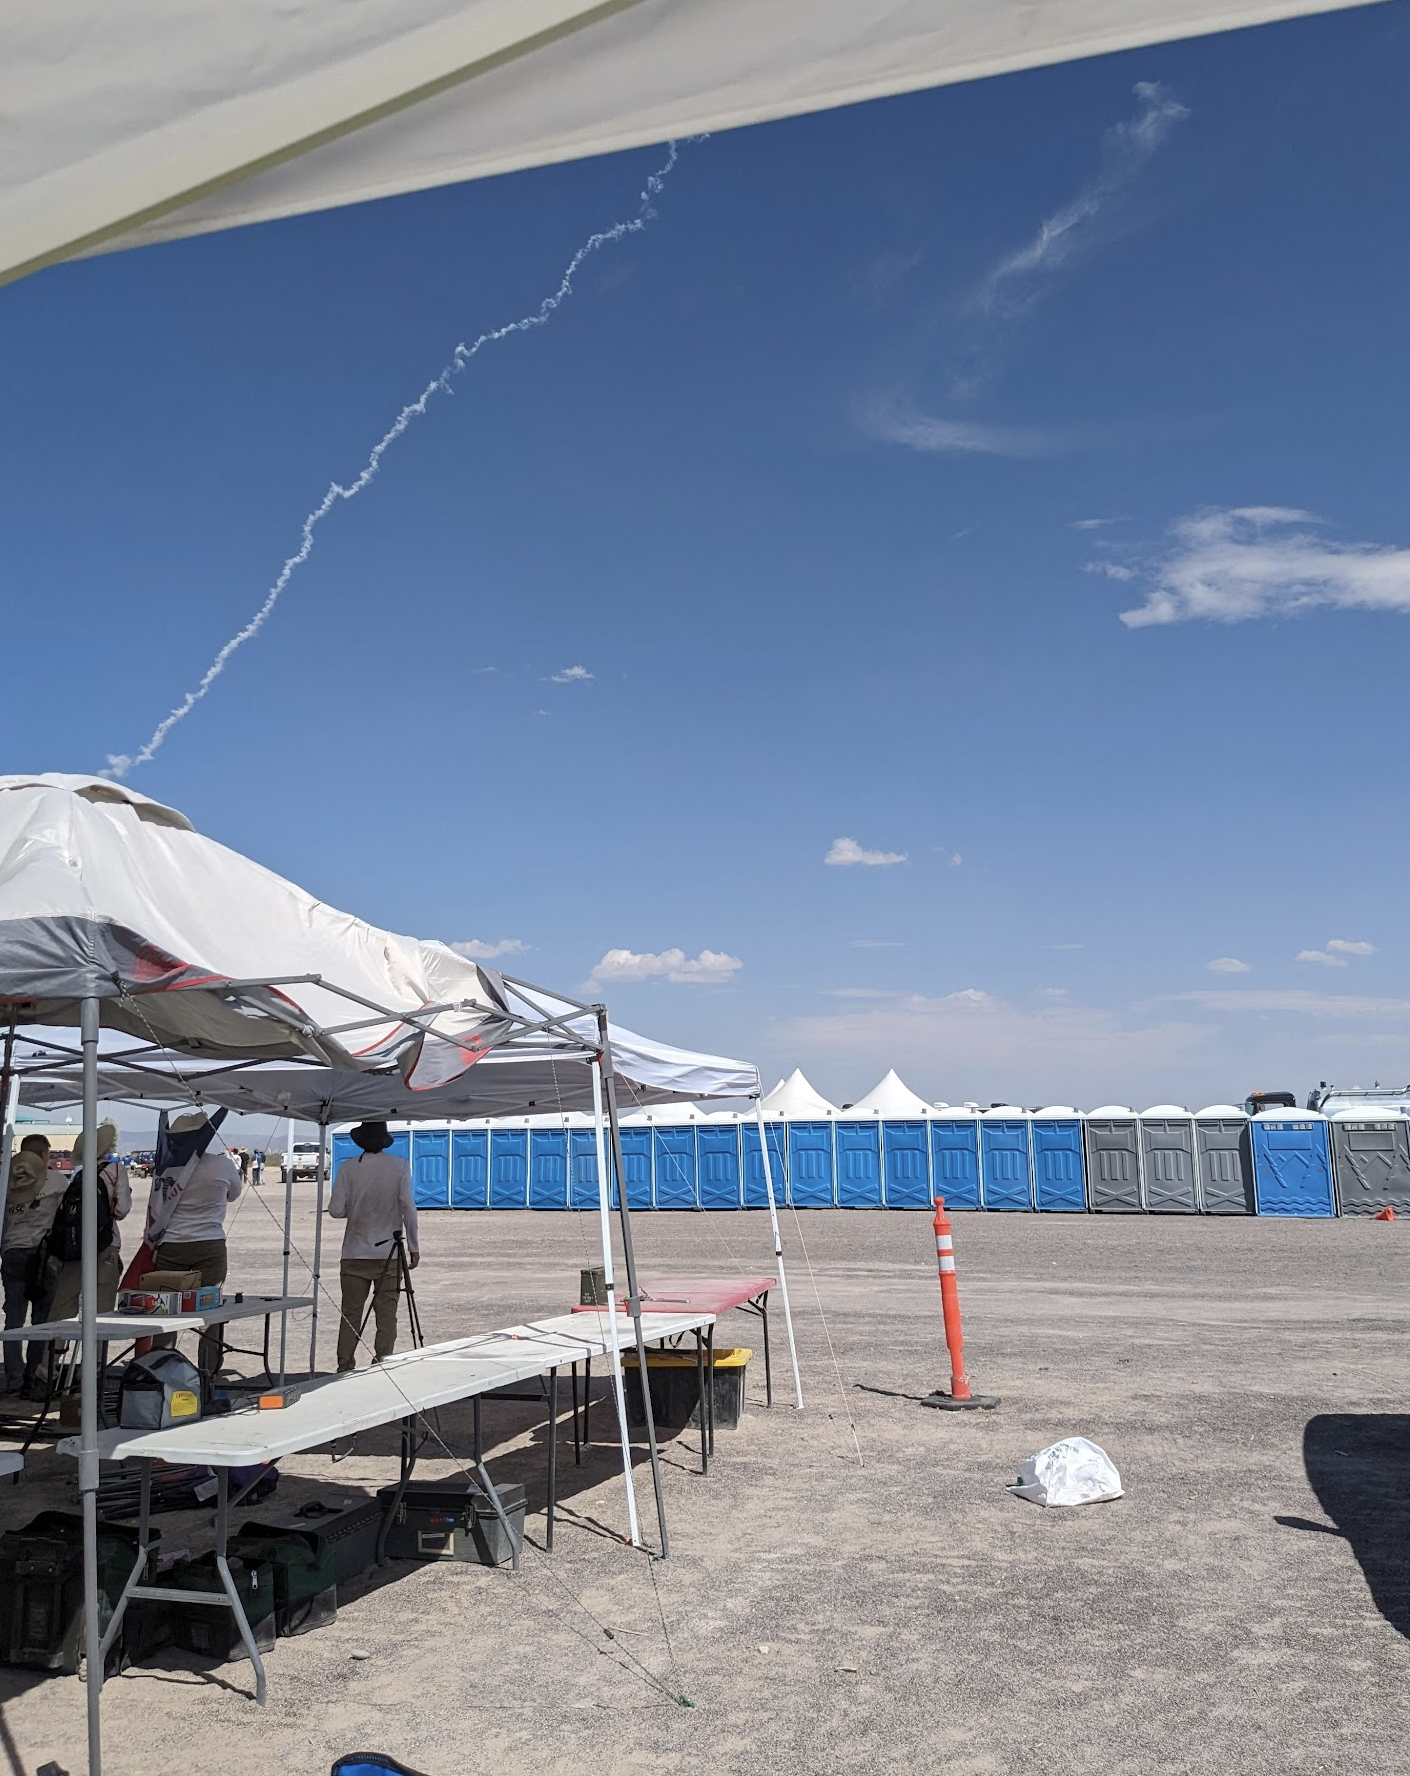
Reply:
x=373 y=1194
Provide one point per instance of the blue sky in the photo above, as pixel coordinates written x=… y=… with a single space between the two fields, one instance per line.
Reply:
x=834 y=482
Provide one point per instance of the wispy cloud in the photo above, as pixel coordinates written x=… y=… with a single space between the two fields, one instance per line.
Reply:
x=1067 y=946
x=848 y=851
x=1233 y=564
x=860 y=992
x=709 y=968
x=1227 y=965
x=877 y=943
x=1094 y=523
x=1321 y=957
x=955 y=860
x=1345 y=946
x=1294 y=999
x=570 y=675
x=896 y=421
x=1336 y=953
x=476 y=951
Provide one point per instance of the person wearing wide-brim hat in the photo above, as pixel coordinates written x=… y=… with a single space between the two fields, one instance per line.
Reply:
x=372 y=1193
x=67 y=1277
x=193 y=1237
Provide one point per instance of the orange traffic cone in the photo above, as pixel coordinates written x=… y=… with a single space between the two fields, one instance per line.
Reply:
x=959 y=1398
x=1386 y=1214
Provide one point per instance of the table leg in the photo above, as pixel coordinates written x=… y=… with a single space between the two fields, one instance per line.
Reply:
x=134 y=1578
x=552 y=1453
x=46 y=1407
x=768 y=1366
x=710 y=1391
x=479 y=1431
x=701 y=1408
x=222 y=1533
x=408 y=1464
x=587 y=1400
x=577 y=1439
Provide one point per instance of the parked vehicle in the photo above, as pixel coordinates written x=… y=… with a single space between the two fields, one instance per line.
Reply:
x=306 y=1159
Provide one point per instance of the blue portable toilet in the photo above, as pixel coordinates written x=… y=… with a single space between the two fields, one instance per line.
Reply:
x=509 y=1167
x=1292 y=1163
x=676 y=1186
x=1059 y=1176
x=811 y=1175
x=903 y=1160
x=717 y=1144
x=344 y=1147
x=1006 y=1166
x=582 y=1167
x=756 y=1196
x=430 y=1167
x=470 y=1168
x=636 y=1162
x=548 y=1167
x=858 y=1143
x=954 y=1157
x=905 y=1154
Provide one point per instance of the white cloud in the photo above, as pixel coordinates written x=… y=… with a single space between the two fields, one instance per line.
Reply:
x=1347 y=947
x=877 y=943
x=1052 y=992
x=896 y=421
x=709 y=968
x=955 y=860
x=1112 y=570
x=1234 y=564
x=1227 y=965
x=571 y=675
x=1068 y=946
x=1322 y=957
x=860 y=992
x=476 y=951
x=848 y=851
x=1094 y=523
x=1294 y=999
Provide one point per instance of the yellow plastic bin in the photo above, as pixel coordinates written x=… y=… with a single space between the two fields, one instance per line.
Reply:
x=675 y=1390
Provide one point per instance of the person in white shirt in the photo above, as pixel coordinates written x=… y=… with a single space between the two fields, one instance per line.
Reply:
x=373 y=1194
x=194 y=1235
x=33 y=1197
x=68 y=1280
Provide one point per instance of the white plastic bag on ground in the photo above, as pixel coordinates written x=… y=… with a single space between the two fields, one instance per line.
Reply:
x=1073 y=1472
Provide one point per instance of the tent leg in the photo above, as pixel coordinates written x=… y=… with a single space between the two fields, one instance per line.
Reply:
x=322 y=1177
x=9 y=1107
x=778 y=1251
x=609 y=1084
x=284 y=1284
x=604 y=1212
x=88 y=1397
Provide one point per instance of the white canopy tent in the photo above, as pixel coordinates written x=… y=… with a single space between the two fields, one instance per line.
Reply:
x=116 y=913
x=794 y=1100
x=159 y=118
x=891 y=1098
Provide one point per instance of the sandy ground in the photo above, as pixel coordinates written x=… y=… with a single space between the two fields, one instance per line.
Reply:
x=851 y=1589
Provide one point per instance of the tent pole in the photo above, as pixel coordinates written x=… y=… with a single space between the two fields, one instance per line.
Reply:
x=9 y=1107
x=778 y=1251
x=88 y=1398
x=604 y=1211
x=322 y=1176
x=288 y=1234
x=609 y=1084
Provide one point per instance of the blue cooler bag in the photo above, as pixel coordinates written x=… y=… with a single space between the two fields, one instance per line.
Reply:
x=371 y=1763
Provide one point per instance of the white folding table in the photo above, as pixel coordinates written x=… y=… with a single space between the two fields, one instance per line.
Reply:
x=404 y=1387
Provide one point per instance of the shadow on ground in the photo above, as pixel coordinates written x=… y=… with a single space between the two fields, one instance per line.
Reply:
x=1359 y=1466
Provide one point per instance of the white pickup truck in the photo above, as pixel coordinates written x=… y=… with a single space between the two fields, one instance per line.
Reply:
x=306 y=1159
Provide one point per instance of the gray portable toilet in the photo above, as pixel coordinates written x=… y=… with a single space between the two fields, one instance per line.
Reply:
x=1225 y=1160
x=1113 y=1143
x=1371 y=1159
x=1168 y=1162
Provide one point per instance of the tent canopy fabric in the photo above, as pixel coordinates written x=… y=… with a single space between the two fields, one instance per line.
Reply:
x=159 y=118
x=892 y=1098
x=795 y=1100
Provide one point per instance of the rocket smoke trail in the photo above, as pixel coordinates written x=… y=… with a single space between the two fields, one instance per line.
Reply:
x=119 y=764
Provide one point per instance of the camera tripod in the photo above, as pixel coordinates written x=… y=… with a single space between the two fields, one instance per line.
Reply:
x=413 y=1313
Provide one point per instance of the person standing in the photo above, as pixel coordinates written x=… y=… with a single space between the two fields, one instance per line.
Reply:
x=68 y=1273
x=34 y=1192
x=242 y=1157
x=191 y=1234
x=373 y=1194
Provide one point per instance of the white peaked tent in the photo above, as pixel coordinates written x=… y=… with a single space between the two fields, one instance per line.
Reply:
x=157 y=118
x=116 y=913
x=891 y=1098
x=794 y=1100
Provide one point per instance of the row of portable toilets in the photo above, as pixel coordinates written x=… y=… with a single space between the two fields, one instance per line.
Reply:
x=1109 y=1161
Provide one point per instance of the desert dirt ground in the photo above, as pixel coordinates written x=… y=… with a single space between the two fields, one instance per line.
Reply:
x=852 y=1589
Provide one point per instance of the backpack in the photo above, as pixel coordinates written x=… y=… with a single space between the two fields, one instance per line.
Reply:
x=66 y=1235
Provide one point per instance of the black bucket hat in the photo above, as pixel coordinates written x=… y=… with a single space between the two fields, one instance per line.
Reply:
x=372 y=1137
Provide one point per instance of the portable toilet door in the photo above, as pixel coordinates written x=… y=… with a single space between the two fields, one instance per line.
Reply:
x=1292 y=1165
x=582 y=1168
x=1225 y=1160
x=1372 y=1162
x=756 y=1194
x=1113 y=1160
x=509 y=1168
x=469 y=1168
x=954 y=1158
x=430 y=1168
x=636 y=1163
x=548 y=1168
x=858 y=1164
x=905 y=1151
x=1059 y=1176
x=1168 y=1160
x=676 y=1186
x=717 y=1147
x=811 y=1177
x=1006 y=1166
x=344 y=1147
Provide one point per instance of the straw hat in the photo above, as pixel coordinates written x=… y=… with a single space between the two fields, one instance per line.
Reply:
x=188 y=1124
x=107 y=1140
